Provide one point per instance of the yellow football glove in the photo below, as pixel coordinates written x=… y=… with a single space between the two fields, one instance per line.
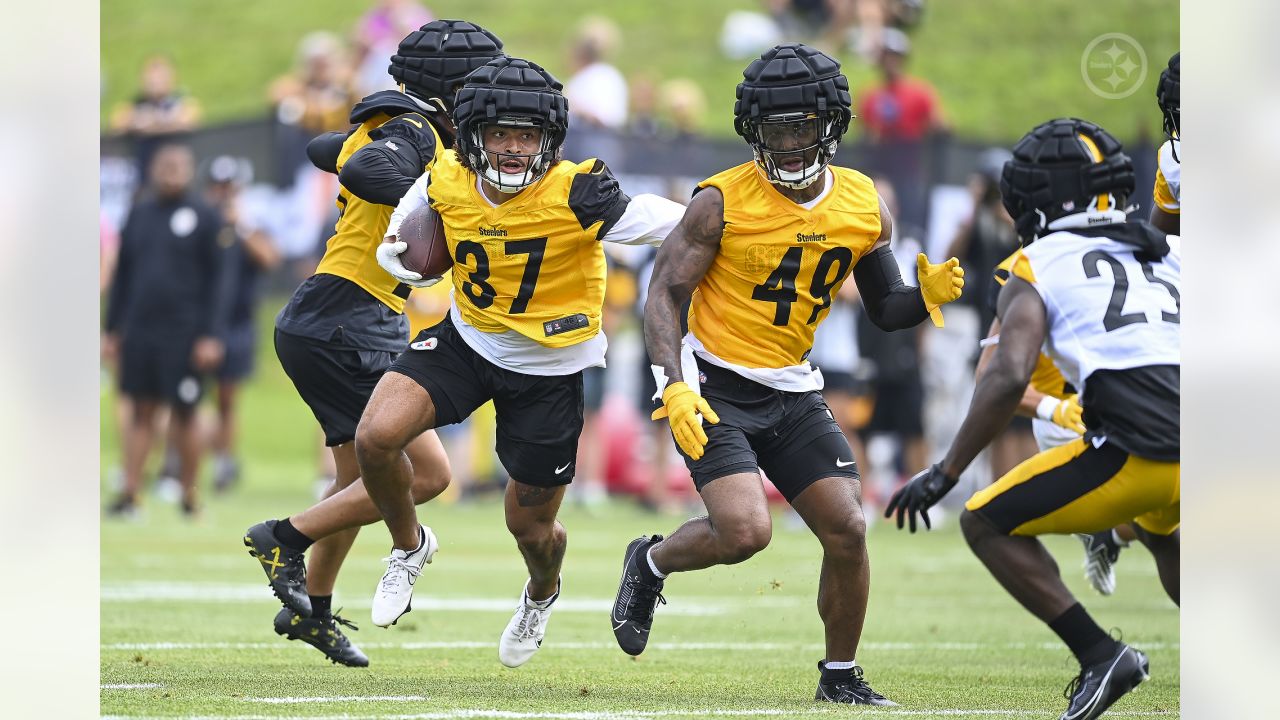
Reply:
x=1069 y=414
x=680 y=406
x=939 y=284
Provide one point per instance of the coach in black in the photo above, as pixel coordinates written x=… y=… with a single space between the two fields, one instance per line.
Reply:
x=168 y=307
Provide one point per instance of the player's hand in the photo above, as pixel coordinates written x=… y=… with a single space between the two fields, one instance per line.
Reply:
x=388 y=255
x=206 y=354
x=939 y=284
x=917 y=496
x=1069 y=414
x=681 y=406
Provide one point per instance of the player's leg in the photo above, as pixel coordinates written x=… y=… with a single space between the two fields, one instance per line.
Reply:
x=1078 y=487
x=190 y=446
x=351 y=507
x=226 y=466
x=1158 y=530
x=399 y=410
x=139 y=435
x=539 y=424
x=809 y=460
x=331 y=548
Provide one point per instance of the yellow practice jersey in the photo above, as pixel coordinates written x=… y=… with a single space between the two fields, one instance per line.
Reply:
x=1168 y=189
x=534 y=263
x=1046 y=378
x=361 y=225
x=779 y=265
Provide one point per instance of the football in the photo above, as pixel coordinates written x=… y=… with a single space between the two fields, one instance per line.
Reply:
x=428 y=251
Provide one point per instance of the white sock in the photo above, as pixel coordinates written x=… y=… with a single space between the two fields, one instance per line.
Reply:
x=1119 y=540
x=844 y=665
x=648 y=556
x=422 y=540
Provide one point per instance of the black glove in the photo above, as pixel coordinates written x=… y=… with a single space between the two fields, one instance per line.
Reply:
x=920 y=494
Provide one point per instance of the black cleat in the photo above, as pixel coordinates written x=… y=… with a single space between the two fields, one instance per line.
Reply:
x=323 y=635
x=638 y=596
x=286 y=571
x=1099 y=685
x=850 y=689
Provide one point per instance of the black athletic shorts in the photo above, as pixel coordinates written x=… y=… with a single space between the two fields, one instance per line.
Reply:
x=334 y=379
x=240 y=342
x=790 y=435
x=539 y=417
x=159 y=369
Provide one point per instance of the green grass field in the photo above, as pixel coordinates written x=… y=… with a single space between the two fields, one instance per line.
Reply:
x=1000 y=66
x=186 y=618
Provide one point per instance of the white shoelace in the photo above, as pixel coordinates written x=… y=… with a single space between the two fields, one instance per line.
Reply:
x=394 y=563
x=529 y=620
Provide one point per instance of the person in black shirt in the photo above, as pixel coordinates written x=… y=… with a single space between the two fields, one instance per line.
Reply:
x=166 y=314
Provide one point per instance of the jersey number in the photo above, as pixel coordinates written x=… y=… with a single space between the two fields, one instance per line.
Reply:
x=477 y=287
x=1115 y=317
x=780 y=287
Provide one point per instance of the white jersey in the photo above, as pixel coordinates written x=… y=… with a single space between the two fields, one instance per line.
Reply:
x=1106 y=309
x=1168 y=189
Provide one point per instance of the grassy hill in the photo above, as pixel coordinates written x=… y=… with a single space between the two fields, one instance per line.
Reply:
x=999 y=65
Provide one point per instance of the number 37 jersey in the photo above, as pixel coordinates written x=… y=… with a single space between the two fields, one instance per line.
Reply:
x=1110 y=304
x=779 y=266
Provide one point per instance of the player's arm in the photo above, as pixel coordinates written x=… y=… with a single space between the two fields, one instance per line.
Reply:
x=1000 y=386
x=1063 y=411
x=890 y=303
x=681 y=263
x=384 y=170
x=1166 y=221
x=323 y=150
x=388 y=253
x=648 y=220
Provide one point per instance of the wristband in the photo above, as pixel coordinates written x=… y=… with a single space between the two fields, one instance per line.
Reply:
x=1047 y=405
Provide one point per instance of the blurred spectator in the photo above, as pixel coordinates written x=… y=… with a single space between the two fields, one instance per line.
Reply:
x=986 y=239
x=159 y=113
x=684 y=104
x=377 y=36
x=644 y=122
x=108 y=252
x=597 y=92
x=824 y=22
x=313 y=98
x=256 y=255
x=899 y=114
x=168 y=309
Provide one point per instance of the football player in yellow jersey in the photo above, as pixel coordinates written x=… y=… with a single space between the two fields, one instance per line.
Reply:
x=525 y=229
x=761 y=251
x=1101 y=295
x=1166 y=213
x=345 y=324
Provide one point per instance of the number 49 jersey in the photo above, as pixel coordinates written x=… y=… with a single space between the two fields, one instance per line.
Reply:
x=1110 y=306
x=779 y=265
x=534 y=263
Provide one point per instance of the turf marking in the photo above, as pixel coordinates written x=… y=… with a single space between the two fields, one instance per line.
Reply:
x=467 y=714
x=340 y=698
x=687 y=646
x=130 y=686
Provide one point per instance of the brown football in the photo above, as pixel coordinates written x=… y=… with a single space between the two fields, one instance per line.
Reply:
x=428 y=251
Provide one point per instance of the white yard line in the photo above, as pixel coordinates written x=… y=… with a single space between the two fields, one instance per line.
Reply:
x=688 y=646
x=331 y=699
x=130 y=686
x=469 y=714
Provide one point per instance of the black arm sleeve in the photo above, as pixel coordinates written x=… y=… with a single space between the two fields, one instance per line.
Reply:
x=382 y=171
x=224 y=262
x=597 y=197
x=890 y=304
x=323 y=150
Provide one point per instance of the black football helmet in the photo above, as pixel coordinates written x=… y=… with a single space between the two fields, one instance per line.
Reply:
x=1066 y=168
x=514 y=93
x=433 y=60
x=1168 y=96
x=793 y=106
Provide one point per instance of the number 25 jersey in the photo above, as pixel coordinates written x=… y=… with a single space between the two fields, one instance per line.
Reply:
x=779 y=265
x=534 y=263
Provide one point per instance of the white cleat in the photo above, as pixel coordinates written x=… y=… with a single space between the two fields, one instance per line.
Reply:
x=524 y=633
x=395 y=590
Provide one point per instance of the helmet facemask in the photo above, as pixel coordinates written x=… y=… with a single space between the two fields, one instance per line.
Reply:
x=794 y=149
x=535 y=164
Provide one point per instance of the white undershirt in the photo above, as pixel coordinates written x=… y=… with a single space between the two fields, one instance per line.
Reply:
x=793 y=378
